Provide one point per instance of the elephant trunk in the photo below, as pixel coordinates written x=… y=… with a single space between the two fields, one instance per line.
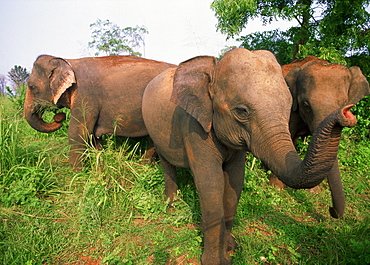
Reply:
x=320 y=157
x=33 y=116
x=337 y=194
x=334 y=179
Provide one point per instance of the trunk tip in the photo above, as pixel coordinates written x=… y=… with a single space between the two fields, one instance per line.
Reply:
x=59 y=117
x=334 y=213
x=350 y=119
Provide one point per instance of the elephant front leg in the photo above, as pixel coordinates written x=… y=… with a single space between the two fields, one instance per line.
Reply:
x=76 y=153
x=78 y=134
x=234 y=179
x=210 y=186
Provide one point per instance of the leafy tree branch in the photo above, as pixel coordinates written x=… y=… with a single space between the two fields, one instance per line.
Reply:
x=109 y=39
x=336 y=29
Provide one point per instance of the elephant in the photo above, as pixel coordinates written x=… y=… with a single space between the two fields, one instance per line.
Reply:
x=103 y=93
x=318 y=88
x=205 y=114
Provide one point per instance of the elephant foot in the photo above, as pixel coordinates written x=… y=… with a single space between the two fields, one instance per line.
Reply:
x=77 y=167
x=171 y=199
x=150 y=156
x=210 y=260
x=220 y=257
x=231 y=244
x=274 y=181
x=171 y=202
x=315 y=190
x=334 y=213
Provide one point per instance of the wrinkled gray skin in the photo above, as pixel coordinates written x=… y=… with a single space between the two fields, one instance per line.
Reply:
x=103 y=93
x=206 y=113
x=318 y=88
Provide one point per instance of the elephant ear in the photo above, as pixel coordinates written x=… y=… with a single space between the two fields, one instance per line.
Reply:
x=291 y=80
x=191 y=88
x=61 y=77
x=359 y=87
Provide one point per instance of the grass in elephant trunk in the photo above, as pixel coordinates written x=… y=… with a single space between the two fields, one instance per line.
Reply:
x=113 y=212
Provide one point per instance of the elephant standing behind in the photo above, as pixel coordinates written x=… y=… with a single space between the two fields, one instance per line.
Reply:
x=103 y=93
x=318 y=88
x=205 y=114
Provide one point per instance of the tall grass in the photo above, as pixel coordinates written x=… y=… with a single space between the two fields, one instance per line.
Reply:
x=9 y=133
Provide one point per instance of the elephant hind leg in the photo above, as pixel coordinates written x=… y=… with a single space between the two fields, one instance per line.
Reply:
x=171 y=186
x=98 y=143
x=231 y=244
x=150 y=154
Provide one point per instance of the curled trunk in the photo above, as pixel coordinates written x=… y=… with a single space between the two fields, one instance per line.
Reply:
x=285 y=163
x=34 y=118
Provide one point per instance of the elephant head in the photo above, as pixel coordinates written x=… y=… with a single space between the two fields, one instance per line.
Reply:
x=51 y=77
x=318 y=88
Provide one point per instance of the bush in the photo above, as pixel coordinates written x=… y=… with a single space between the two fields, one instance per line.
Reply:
x=361 y=110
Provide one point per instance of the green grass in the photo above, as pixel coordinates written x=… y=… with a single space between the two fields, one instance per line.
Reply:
x=114 y=211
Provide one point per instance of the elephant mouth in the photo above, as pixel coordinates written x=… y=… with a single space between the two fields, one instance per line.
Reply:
x=238 y=143
x=41 y=106
x=44 y=116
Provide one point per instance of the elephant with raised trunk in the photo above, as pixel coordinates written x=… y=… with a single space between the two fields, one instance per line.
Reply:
x=318 y=88
x=205 y=114
x=103 y=93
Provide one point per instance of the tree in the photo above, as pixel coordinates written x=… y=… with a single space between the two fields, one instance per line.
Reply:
x=110 y=39
x=18 y=76
x=330 y=29
x=2 y=84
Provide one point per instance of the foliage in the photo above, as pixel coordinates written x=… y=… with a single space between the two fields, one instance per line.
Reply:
x=232 y=14
x=361 y=110
x=276 y=41
x=18 y=75
x=110 y=39
x=342 y=27
x=18 y=96
x=326 y=53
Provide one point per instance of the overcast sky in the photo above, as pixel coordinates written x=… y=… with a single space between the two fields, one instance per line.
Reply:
x=178 y=29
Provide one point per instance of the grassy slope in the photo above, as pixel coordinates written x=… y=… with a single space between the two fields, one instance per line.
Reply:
x=114 y=211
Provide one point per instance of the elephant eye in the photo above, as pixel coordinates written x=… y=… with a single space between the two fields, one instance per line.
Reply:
x=306 y=105
x=242 y=113
x=32 y=87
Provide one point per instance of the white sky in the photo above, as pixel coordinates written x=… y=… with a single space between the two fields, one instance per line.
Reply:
x=178 y=29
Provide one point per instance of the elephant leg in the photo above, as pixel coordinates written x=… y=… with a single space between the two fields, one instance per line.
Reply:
x=78 y=134
x=76 y=152
x=169 y=179
x=209 y=181
x=98 y=143
x=336 y=189
x=210 y=186
x=234 y=178
x=150 y=154
x=274 y=181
